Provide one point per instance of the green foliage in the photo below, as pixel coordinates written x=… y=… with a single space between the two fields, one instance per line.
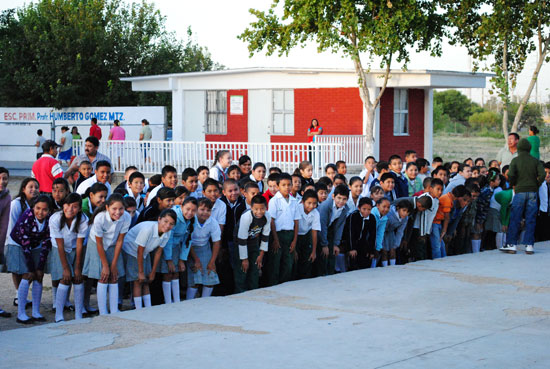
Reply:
x=487 y=120
x=456 y=105
x=65 y=53
x=531 y=116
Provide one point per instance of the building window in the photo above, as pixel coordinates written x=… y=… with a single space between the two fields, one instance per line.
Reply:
x=400 y=112
x=216 y=112
x=283 y=112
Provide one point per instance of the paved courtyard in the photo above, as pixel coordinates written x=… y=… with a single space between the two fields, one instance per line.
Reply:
x=489 y=310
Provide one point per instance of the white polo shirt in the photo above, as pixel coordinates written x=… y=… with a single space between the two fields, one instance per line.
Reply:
x=81 y=190
x=202 y=233
x=145 y=234
x=284 y=212
x=219 y=212
x=307 y=222
x=67 y=233
x=108 y=229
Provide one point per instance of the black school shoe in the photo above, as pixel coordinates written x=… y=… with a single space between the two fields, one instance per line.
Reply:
x=40 y=319
x=5 y=314
x=16 y=303
x=28 y=321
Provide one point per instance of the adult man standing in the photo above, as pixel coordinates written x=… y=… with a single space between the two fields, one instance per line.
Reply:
x=39 y=142
x=90 y=154
x=526 y=174
x=506 y=154
x=47 y=168
x=145 y=135
x=66 y=150
x=95 y=131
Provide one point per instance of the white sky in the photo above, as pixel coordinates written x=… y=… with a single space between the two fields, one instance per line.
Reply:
x=216 y=24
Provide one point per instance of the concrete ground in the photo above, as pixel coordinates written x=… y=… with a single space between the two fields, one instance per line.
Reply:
x=489 y=310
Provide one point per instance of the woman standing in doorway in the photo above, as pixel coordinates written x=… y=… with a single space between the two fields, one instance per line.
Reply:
x=314 y=130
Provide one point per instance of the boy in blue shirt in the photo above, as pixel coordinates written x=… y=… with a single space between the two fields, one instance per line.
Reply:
x=396 y=168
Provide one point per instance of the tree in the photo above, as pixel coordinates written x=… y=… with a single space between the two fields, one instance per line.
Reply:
x=65 y=53
x=485 y=119
x=531 y=115
x=455 y=104
x=382 y=28
x=508 y=31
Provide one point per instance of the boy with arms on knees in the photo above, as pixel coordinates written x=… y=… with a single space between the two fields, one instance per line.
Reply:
x=333 y=213
x=308 y=230
x=359 y=237
x=380 y=212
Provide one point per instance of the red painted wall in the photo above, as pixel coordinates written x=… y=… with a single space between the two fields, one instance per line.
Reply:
x=338 y=110
x=237 y=125
x=390 y=144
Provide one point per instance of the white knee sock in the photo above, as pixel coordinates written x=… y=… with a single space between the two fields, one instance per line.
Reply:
x=102 y=298
x=207 y=291
x=54 y=296
x=68 y=299
x=384 y=263
x=167 y=292
x=373 y=263
x=138 y=302
x=175 y=284
x=22 y=293
x=61 y=297
x=36 y=299
x=191 y=292
x=500 y=240
x=113 y=298
x=392 y=261
x=147 y=301
x=476 y=245
x=78 y=300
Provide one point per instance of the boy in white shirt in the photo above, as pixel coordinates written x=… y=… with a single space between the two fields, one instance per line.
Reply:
x=308 y=226
x=102 y=175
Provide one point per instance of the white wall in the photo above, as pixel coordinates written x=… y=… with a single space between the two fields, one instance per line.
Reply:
x=194 y=116
x=259 y=115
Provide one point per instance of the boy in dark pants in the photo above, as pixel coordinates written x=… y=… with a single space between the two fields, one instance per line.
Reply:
x=333 y=214
x=359 y=237
x=283 y=210
x=308 y=230
x=253 y=228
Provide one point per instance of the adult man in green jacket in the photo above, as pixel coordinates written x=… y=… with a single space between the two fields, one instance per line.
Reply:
x=526 y=174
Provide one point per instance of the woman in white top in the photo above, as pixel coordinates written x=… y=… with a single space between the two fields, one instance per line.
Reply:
x=140 y=241
x=103 y=262
x=68 y=229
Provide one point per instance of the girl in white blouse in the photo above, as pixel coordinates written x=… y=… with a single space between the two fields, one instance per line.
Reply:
x=68 y=229
x=103 y=262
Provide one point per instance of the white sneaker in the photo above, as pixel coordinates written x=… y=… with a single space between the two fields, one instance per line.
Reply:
x=511 y=249
x=529 y=249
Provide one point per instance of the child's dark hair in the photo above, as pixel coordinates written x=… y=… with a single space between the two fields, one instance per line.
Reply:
x=437 y=159
x=273 y=177
x=467 y=160
x=73 y=198
x=169 y=213
x=425 y=201
x=220 y=154
x=275 y=170
x=129 y=202
x=394 y=157
x=409 y=152
x=365 y=201
x=411 y=164
x=155 y=180
x=243 y=159
x=427 y=182
x=233 y=168
x=166 y=193
x=114 y=198
x=21 y=194
x=421 y=163
x=339 y=163
x=84 y=162
x=258 y=199
x=42 y=198
x=201 y=168
x=370 y=157
x=460 y=191
x=129 y=168
x=341 y=190
x=258 y=165
x=63 y=182
x=284 y=177
x=101 y=164
x=382 y=165
x=376 y=189
x=320 y=186
x=505 y=169
x=206 y=203
x=478 y=159
x=98 y=187
x=180 y=191
x=251 y=184
x=436 y=182
x=304 y=164
x=310 y=194
x=439 y=169
x=406 y=204
x=4 y=170
x=381 y=200
x=210 y=182
x=229 y=182
x=384 y=177
x=355 y=179
x=136 y=175
x=191 y=200
x=341 y=177
x=188 y=172
x=328 y=166
x=326 y=181
x=168 y=169
x=462 y=166
x=472 y=186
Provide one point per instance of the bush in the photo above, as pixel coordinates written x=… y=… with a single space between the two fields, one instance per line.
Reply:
x=485 y=120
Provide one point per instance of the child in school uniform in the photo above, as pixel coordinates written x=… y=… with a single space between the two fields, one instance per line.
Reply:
x=169 y=179
x=84 y=172
x=234 y=172
x=422 y=226
x=28 y=255
x=28 y=190
x=222 y=161
x=68 y=229
x=483 y=209
x=60 y=190
x=163 y=200
x=305 y=169
x=387 y=182
x=134 y=189
x=382 y=167
x=190 y=180
x=283 y=210
x=380 y=212
x=355 y=191
x=272 y=187
x=414 y=184
x=333 y=213
x=322 y=191
x=102 y=175
x=211 y=191
x=137 y=247
x=254 y=227
x=103 y=261
x=396 y=168
x=96 y=198
x=5 y=200
x=177 y=250
x=359 y=236
x=296 y=189
x=309 y=227
x=395 y=228
x=131 y=208
x=258 y=174
x=203 y=256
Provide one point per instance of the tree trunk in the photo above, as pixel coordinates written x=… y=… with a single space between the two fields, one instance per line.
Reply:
x=506 y=97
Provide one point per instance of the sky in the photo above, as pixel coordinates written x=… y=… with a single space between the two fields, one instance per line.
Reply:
x=216 y=24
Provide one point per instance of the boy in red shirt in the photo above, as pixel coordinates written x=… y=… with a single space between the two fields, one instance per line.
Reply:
x=272 y=187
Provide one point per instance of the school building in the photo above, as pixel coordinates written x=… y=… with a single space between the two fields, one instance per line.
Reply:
x=262 y=105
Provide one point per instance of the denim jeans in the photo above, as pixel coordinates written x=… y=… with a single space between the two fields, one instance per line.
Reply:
x=524 y=205
x=438 y=246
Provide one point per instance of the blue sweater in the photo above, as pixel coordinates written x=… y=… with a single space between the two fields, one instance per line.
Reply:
x=325 y=211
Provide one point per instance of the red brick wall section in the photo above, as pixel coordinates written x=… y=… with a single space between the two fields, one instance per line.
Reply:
x=390 y=144
x=237 y=125
x=338 y=110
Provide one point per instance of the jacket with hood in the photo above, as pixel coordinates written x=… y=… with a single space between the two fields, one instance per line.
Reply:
x=526 y=173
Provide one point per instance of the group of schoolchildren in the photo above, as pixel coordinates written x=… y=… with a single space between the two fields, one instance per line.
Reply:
x=229 y=229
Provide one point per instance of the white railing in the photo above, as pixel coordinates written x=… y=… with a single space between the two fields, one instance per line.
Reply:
x=151 y=156
x=354 y=147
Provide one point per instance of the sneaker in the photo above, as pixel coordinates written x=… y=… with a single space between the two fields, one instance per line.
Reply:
x=529 y=249
x=510 y=249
